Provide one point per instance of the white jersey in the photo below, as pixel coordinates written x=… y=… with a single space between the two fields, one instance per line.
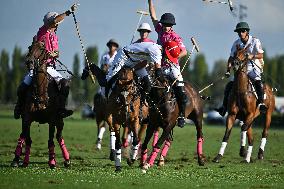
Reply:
x=255 y=48
x=133 y=54
x=107 y=59
x=149 y=51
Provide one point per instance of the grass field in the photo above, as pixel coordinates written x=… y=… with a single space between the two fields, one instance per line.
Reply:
x=92 y=169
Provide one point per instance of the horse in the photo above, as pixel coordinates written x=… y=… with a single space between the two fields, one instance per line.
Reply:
x=124 y=105
x=164 y=112
x=41 y=104
x=242 y=105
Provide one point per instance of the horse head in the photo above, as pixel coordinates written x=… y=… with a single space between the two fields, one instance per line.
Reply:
x=241 y=58
x=162 y=90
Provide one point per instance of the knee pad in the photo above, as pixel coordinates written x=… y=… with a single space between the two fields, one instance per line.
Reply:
x=64 y=87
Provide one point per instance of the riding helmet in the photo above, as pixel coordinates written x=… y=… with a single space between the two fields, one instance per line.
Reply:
x=168 y=18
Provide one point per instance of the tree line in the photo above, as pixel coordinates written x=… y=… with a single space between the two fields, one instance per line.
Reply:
x=196 y=72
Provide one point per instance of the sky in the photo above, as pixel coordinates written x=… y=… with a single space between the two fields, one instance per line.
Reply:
x=211 y=24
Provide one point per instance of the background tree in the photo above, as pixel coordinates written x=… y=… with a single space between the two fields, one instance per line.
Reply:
x=89 y=89
x=17 y=72
x=5 y=84
x=76 y=84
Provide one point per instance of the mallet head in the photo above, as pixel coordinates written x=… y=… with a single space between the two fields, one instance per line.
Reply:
x=142 y=12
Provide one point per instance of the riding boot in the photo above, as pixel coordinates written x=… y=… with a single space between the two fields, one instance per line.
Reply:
x=259 y=91
x=21 y=93
x=223 y=109
x=146 y=88
x=181 y=100
x=64 y=92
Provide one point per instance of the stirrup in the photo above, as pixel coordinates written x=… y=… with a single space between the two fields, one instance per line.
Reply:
x=181 y=122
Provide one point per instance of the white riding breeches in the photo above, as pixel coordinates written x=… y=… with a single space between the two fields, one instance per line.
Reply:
x=174 y=73
x=50 y=70
x=254 y=72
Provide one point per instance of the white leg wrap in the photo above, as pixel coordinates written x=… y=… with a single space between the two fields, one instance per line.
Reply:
x=118 y=157
x=223 y=147
x=130 y=137
x=134 y=152
x=112 y=140
x=249 y=153
x=101 y=133
x=243 y=138
x=262 y=144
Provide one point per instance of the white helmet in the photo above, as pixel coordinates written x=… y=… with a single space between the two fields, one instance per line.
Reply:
x=144 y=26
x=49 y=17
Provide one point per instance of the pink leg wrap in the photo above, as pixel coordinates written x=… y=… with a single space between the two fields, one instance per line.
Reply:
x=27 y=154
x=143 y=156
x=63 y=148
x=166 y=148
x=125 y=143
x=19 y=147
x=155 y=139
x=51 y=155
x=199 y=146
x=153 y=156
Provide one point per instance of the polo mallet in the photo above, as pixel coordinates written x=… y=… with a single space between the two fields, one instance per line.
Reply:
x=196 y=47
x=141 y=12
x=210 y=85
x=230 y=3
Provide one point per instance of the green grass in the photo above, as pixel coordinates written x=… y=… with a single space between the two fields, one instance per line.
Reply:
x=92 y=169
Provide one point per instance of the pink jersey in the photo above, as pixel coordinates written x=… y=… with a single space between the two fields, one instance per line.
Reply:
x=144 y=40
x=163 y=37
x=50 y=40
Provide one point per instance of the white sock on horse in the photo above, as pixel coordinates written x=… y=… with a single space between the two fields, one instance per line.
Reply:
x=112 y=140
x=134 y=152
x=262 y=144
x=249 y=153
x=243 y=138
x=118 y=158
x=101 y=133
x=223 y=147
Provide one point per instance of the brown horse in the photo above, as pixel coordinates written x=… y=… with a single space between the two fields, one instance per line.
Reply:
x=242 y=105
x=164 y=113
x=123 y=106
x=42 y=108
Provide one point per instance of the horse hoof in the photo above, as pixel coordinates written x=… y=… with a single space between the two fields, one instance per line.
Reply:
x=15 y=163
x=243 y=151
x=117 y=169
x=161 y=163
x=130 y=162
x=217 y=158
x=146 y=166
x=25 y=164
x=112 y=155
x=260 y=154
x=67 y=163
x=245 y=161
x=52 y=164
x=201 y=161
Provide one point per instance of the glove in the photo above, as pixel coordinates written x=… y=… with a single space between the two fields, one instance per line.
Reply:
x=72 y=9
x=159 y=74
x=227 y=74
x=85 y=74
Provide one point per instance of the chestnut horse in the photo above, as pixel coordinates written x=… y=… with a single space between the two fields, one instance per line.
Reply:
x=41 y=105
x=164 y=112
x=242 y=105
x=123 y=105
